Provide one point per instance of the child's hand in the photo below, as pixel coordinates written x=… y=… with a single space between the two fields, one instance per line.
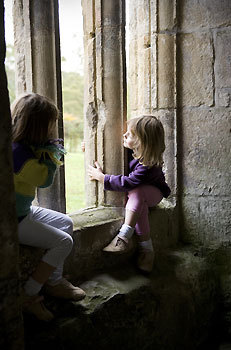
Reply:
x=96 y=173
x=83 y=146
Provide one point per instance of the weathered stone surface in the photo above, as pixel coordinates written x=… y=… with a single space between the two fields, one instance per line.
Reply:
x=164 y=226
x=167 y=15
x=206 y=152
x=105 y=89
x=195 y=69
x=222 y=66
x=196 y=14
x=93 y=230
x=223 y=97
x=206 y=219
x=166 y=71
x=181 y=294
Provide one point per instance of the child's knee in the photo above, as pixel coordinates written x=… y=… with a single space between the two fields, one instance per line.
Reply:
x=135 y=194
x=69 y=225
x=67 y=244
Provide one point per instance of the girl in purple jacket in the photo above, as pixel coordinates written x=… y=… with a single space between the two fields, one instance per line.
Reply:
x=145 y=186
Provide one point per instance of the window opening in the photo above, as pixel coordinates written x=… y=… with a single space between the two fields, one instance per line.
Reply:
x=71 y=42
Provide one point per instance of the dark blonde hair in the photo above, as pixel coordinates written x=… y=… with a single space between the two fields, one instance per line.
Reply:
x=149 y=144
x=33 y=116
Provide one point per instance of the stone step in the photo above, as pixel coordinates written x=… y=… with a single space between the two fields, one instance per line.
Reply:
x=171 y=309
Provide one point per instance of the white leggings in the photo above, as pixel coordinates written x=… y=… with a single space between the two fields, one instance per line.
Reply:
x=50 y=230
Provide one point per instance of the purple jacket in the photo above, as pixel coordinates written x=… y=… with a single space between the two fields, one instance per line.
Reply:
x=138 y=175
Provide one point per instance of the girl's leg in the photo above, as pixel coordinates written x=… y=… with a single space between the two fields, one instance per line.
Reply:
x=57 y=243
x=139 y=200
x=44 y=228
x=136 y=215
x=57 y=220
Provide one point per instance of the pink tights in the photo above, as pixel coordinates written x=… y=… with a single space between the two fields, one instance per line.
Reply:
x=139 y=200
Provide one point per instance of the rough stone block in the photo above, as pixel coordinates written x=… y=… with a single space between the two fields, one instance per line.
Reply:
x=111 y=13
x=195 y=68
x=206 y=219
x=167 y=15
x=204 y=13
x=163 y=225
x=143 y=17
x=222 y=67
x=223 y=97
x=123 y=307
x=166 y=71
x=206 y=152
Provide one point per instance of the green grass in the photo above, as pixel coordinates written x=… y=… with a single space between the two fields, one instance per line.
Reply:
x=74 y=175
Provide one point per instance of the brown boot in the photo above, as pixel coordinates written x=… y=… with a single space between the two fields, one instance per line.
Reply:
x=64 y=290
x=33 y=305
x=145 y=260
x=118 y=245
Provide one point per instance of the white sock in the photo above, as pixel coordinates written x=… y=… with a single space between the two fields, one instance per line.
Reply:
x=146 y=245
x=32 y=287
x=126 y=232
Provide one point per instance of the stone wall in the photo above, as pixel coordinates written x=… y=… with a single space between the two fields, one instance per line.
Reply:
x=180 y=69
x=204 y=75
x=11 y=331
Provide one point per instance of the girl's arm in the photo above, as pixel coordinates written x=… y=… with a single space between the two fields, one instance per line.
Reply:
x=96 y=173
x=120 y=183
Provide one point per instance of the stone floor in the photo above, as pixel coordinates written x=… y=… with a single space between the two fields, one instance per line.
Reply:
x=126 y=310
x=225 y=346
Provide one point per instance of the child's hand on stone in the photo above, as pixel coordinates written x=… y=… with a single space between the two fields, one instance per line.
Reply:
x=83 y=146
x=96 y=173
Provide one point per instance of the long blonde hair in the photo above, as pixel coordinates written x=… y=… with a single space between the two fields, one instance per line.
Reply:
x=33 y=116
x=149 y=145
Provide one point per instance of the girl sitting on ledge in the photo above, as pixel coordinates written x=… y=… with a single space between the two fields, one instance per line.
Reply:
x=145 y=186
x=35 y=158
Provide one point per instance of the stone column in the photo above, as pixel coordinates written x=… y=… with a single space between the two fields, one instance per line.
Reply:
x=38 y=69
x=105 y=93
x=152 y=82
x=11 y=326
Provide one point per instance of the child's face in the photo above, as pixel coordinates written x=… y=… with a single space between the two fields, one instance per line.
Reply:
x=129 y=139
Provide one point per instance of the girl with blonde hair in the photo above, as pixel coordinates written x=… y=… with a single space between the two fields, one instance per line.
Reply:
x=36 y=155
x=145 y=185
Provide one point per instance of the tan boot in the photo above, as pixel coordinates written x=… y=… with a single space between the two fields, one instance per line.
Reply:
x=118 y=246
x=33 y=305
x=64 y=290
x=145 y=260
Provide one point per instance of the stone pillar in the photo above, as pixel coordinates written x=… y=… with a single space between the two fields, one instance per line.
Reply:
x=105 y=93
x=38 y=69
x=11 y=326
x=152 y=70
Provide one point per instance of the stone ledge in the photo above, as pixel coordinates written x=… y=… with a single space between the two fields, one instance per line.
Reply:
x=123 y=308
x=94 y=228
